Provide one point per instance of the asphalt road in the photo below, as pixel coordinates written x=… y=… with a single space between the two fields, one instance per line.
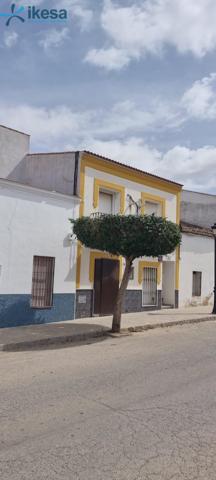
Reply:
x=137 y=408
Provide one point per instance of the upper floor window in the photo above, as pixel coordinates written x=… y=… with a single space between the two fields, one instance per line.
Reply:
x=153 y=204
x=153 y=207
x=108 y=197
x=106 y=203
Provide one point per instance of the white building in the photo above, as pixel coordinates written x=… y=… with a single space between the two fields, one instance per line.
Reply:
x=107 y=186
x=37 y=256
x=197 y=249
x=44 y=277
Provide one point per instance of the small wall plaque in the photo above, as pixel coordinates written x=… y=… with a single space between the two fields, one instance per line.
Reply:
x=82 y=299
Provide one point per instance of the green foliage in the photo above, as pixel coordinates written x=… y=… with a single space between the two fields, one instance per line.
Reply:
x=130 y=236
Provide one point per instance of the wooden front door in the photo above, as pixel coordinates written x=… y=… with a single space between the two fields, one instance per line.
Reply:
x=106 y=284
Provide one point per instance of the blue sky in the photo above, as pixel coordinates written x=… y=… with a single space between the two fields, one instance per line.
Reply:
x=133 y=80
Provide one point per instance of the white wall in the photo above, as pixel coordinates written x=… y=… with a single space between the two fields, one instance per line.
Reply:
x=131 y=188
x=134 y=189
x=13 y=148
x=197 y=254
x=168 y=284
x=35 y=223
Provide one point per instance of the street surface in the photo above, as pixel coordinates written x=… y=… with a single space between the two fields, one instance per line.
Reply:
x=136 y=408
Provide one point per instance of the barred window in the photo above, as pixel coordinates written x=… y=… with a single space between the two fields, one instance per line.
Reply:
x=149 y=291
x=42 y=282
x=197 y=284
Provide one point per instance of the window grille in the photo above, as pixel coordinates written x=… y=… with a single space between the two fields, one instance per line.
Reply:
x=149 y=286
x=42 y=282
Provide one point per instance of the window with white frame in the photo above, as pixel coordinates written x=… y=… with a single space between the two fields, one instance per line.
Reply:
x=106 y=202
x=197 y=284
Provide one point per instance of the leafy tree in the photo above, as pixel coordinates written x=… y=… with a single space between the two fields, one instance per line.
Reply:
x=129 y=236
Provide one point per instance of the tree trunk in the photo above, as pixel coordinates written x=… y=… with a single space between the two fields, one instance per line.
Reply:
x=116 y=326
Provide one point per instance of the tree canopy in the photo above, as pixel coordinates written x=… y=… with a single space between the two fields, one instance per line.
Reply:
x=129 y=236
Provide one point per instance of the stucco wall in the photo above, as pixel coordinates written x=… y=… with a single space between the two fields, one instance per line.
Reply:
x=198 y=208
x=197 y=254
x=13 y=148
x=35 y=223
x=50 y=171
x=134 y=189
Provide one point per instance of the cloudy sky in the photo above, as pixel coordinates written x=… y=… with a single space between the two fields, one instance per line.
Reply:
x=134 y=80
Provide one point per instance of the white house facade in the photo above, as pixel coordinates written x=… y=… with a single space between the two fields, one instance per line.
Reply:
x=196 y=268
x=197 y=249
x=38 y=196
x=37 y=255
x=109 y=187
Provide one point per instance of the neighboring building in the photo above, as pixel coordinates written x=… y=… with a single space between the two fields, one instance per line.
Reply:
x=197 y=248
x=198 y=208
x=37 y=254
x=14 y=146
x=107 y=186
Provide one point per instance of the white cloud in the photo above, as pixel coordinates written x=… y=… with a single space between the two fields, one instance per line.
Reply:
x=110 y=134
x=61 y=124
x=200 y=99
x=196 y=169
x=132 y=151
x=10 y=39
x=149 y=26
x=110 y=58
x=78 y=9
x=54 y=38
x=84 y=15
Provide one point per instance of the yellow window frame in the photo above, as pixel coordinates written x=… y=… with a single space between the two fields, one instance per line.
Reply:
x=143 y=264
x=154 y=199
x=112 y=187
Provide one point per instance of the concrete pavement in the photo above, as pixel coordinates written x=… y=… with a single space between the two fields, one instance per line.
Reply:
x=139 y=409
x=88 y=329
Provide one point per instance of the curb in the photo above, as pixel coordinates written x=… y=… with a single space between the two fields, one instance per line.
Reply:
x=84 y=337
x=174 y=323
x=52 y=341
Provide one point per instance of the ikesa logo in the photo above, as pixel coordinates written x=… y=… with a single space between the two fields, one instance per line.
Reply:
x=33 y=14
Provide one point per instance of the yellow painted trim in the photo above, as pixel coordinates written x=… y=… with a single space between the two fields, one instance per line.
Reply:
x=122 y=171
x=143 y=264
x=153 y=198
x=178 y=207
x=113 y=187
x=81 y=213
x=82 y=187
x=178 y=217
x=94 y=255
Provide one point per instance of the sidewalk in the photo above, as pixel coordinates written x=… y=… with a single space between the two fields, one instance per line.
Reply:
x=89 y=329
